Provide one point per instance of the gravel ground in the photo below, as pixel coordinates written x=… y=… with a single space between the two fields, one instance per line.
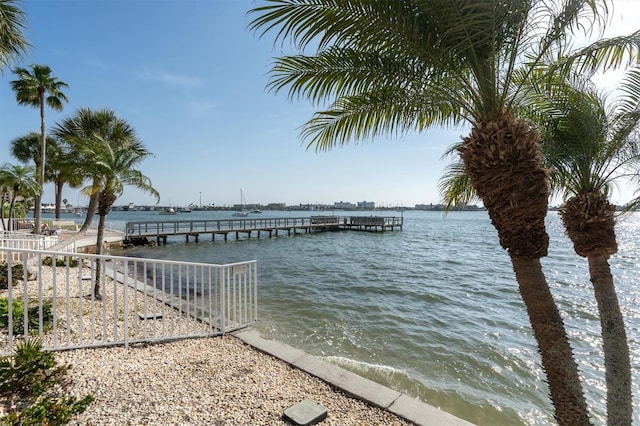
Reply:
x=207 y=381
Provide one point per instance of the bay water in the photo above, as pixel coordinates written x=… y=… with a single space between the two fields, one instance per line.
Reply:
x=432 y=310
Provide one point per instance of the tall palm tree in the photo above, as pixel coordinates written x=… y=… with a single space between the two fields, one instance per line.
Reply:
x=22 y=182
x=13 y=42
x=83 y=128
x=589 y=146
x=36 y=88
x=393 y=66
x=113 y=167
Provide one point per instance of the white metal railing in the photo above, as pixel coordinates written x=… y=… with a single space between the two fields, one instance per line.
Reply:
x=138 y=300
x=25 y=240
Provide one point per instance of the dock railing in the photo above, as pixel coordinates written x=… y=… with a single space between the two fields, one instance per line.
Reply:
x=161 y=228
x=173 y=227
x=138 y=300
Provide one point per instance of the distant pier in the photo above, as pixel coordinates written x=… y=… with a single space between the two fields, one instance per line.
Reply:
x=162 y=229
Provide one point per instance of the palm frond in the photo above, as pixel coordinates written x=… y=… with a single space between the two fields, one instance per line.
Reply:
x=13 y=42
x=602 y=55
x=455 y=187
x=389 y=112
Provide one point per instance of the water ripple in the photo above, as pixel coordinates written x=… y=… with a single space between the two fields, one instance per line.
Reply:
x=434 y=310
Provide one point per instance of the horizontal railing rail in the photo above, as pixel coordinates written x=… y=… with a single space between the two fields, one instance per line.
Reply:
x=74 y=301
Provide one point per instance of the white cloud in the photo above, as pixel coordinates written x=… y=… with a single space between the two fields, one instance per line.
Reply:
x=169 y=79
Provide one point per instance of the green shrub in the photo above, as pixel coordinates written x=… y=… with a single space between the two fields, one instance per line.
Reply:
x=32 y=385
x=17 y=272
x=33 y=315
x=60 y=261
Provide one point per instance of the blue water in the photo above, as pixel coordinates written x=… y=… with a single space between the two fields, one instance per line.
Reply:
x=432 y=310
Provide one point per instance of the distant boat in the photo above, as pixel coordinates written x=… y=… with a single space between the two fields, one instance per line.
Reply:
x=256 y=211
x=243 y=212
x=184 y=210
x=170 y=210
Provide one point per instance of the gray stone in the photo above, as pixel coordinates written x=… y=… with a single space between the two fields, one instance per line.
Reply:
x=305 y=413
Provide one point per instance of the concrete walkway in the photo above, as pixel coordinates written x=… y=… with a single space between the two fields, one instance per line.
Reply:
x=86 y=238
x=367 y=390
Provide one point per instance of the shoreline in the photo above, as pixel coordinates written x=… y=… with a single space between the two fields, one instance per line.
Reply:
x=236 y=379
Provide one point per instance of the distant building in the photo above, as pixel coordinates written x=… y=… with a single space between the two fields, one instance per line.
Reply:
x=276 y=206
x=366 y=205
x=344 y=205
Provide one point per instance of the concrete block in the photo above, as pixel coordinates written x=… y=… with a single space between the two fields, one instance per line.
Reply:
x=307 y=412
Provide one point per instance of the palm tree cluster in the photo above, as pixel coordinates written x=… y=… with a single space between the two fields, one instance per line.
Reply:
x=94 y=146
x=395 y=66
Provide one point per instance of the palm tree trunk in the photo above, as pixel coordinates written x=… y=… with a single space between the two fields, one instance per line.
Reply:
x=553 y=343
x=91 y=211
x=614 y=341
x=105 y=202
x=2 y=203
x=59 y=186
x=99 y=240
x=589 y=219
x=36 y=214
x=12 y=223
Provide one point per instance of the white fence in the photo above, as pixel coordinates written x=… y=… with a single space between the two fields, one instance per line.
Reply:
x=27 y=240
x=74 y=301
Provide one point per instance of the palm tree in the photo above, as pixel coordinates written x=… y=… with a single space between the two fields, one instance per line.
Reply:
x=5 y=193
x=21 y=180
x=28 y=148
x=114 y=167
x=13 y=43
x=36 y=88
x=106 y=151
x=85 y=127
x=394 y=66
x=61 y=170
x=589 y=147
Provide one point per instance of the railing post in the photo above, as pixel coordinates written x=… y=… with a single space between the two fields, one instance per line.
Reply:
x=223 y=297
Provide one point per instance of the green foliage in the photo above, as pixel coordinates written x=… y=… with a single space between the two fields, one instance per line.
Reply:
x=31 y=371
x=33 y=379
x=60 y=261
x=33 y=315
x=17 y=272
x=48 y=411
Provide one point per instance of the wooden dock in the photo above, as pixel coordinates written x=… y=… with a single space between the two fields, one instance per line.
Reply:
x=162 y=229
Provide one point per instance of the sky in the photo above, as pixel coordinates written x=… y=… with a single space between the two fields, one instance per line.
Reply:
x=191 y=79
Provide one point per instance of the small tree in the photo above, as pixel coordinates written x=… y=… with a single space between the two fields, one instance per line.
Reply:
x=32 y=385
x=21 y=181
